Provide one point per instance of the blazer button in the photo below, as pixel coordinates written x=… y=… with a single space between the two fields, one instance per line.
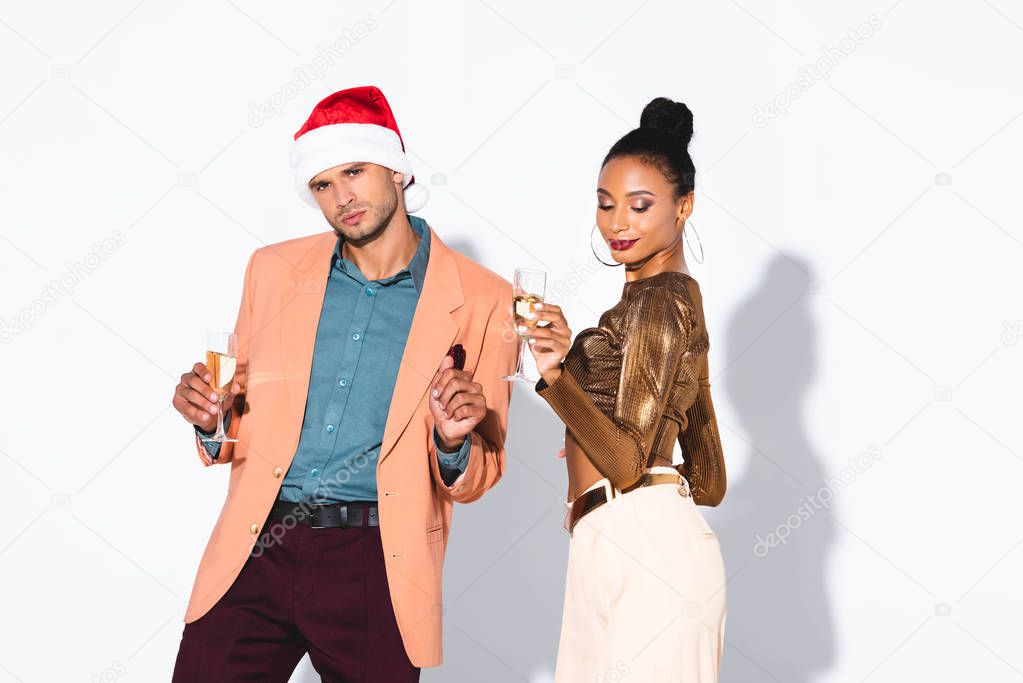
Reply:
x=277 y=472
x=254 y=529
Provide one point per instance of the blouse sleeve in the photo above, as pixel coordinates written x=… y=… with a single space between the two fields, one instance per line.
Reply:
x=655 y=335
x=703 y=460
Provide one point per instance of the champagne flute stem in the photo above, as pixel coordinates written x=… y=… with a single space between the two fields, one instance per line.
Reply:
x=220 y=417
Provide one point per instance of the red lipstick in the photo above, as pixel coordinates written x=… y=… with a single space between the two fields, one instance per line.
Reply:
x=622 y=245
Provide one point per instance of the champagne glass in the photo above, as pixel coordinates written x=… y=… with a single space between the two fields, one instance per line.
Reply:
x=221 y=359
x=528 y=289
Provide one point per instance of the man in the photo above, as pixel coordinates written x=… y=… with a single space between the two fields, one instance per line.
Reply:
x=356 y=425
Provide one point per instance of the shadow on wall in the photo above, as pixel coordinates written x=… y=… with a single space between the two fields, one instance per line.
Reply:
x=774 y=524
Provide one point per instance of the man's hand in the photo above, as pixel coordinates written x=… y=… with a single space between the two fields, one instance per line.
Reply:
x=457 y=404
x=196 y=400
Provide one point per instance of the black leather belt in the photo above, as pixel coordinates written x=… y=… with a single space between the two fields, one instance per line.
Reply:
x=326 y=515
x=594 y=498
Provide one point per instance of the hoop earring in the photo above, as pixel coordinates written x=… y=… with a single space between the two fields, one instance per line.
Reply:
x=594 y=249
x=690 y=224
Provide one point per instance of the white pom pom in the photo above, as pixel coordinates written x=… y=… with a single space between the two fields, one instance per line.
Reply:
x=416 y=196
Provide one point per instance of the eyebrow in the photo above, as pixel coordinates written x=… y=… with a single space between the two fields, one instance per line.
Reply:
x=350 y=167
x=627 y=194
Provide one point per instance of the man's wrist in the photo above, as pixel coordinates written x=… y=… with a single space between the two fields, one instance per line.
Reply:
x=213 y=430
x=450 y=446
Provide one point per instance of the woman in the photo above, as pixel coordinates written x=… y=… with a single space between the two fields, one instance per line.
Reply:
x=645 y=593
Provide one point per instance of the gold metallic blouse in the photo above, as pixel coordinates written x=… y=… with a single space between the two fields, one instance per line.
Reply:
x=638 y=381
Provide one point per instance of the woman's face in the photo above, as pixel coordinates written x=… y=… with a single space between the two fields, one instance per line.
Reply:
x=637 y=212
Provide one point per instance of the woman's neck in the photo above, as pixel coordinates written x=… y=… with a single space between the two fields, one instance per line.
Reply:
x=672 y=259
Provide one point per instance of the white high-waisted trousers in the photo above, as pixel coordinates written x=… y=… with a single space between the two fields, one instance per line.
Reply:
x=645 y=592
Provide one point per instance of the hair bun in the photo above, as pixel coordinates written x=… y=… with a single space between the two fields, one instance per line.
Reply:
x=669 y=117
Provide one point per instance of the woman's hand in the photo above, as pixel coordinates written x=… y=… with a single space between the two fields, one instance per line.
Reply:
x=548 y=343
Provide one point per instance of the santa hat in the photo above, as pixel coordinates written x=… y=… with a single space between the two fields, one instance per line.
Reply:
x=352 y=125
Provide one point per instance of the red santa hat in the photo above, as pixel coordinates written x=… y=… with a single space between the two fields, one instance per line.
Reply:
x=352 y=125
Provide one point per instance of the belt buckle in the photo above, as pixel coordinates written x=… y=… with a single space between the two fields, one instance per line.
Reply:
x=683 y=487
x=320 y=515
x=610 y=494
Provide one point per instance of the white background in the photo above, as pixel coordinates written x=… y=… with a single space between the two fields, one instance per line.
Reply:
x=861 y=283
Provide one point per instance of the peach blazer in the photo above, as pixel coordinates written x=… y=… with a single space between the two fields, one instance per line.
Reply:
x=461 y=302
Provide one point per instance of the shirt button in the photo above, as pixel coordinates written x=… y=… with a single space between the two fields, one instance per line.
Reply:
x=342 y=382
x=370 y=291
x=254 y=529
x=356 y=336
x=330 y=428
x=315 y=472
x=277 y=472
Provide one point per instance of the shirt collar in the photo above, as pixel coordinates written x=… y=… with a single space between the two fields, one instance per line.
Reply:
x=416 y=268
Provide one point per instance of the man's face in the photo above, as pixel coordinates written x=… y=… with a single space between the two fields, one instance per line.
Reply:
x=358 y=199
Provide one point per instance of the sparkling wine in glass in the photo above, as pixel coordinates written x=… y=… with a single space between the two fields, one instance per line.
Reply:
x=221 y=359
x=528 y=288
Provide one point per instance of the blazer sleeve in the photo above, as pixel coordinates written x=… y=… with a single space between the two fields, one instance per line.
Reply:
x=243 y=331
x=655 y=335
x=704 y=462
x=486 y=461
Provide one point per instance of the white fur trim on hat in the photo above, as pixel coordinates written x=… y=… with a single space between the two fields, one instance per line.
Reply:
x=343 y=143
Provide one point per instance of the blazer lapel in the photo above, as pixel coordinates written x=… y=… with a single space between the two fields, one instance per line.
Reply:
x=432 y=333
x=300 y=309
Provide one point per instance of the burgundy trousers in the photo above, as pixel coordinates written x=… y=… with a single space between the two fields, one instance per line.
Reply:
x=321 y=591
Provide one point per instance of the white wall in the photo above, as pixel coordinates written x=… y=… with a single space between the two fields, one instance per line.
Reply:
x=861 y=282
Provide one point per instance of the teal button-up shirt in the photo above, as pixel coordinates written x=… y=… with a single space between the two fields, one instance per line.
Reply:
x=360 y=339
